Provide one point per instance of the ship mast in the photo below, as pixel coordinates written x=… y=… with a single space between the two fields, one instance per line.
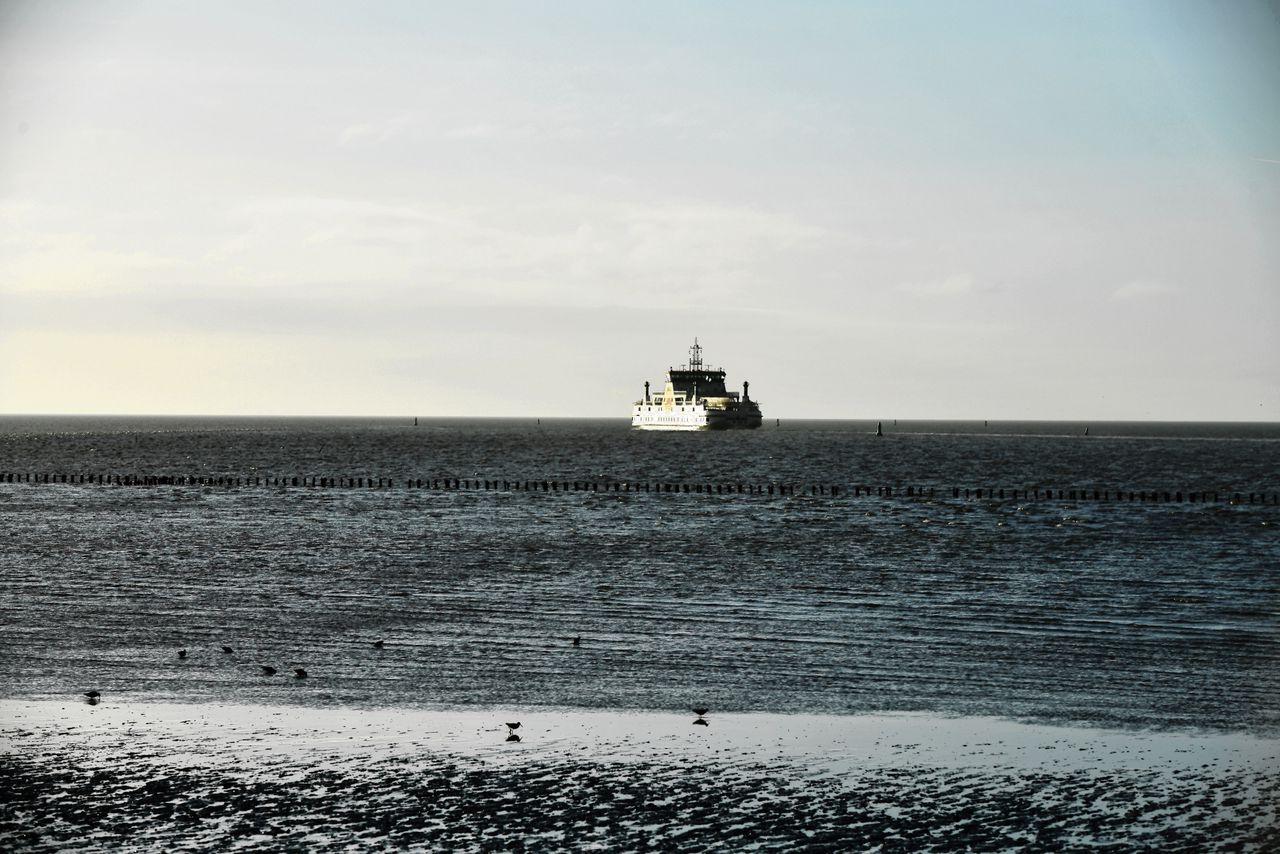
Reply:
x=695 y=356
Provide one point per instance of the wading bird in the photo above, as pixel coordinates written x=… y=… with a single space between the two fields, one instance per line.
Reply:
x=227 y=649
x=299 y=673
x=182 y=653
x=267 y=670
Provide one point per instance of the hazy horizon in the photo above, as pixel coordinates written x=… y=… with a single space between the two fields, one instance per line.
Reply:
x=1002 y=211
x=902 y=425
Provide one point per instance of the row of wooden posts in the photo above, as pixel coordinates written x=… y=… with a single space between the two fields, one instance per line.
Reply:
x=1025 y=494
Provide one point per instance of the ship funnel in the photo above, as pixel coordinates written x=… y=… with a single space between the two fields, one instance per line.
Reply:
x=646 y=392
x=745 y=385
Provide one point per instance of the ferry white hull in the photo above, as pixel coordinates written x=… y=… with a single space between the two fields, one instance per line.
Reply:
x=655 y=417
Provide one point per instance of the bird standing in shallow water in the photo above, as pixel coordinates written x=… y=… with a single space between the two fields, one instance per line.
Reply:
x=700 y=712
x=227 y=649
x=513 y=727
x=92 y=695
x=267 y=670
x=379 y=644
x=577 y=641
x=299 y=673
x=182 y=653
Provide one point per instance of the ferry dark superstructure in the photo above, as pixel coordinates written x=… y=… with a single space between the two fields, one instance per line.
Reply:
x=695 y=398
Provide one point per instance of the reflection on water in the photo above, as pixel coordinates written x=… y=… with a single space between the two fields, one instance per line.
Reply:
x=1128 y=615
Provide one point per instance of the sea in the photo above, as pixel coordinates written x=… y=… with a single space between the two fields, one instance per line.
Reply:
x=882 y=581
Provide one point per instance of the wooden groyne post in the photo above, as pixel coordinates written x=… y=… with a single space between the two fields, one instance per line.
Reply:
x=859 y=490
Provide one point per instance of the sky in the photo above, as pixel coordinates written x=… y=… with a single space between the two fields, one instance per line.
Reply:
x=992 y=210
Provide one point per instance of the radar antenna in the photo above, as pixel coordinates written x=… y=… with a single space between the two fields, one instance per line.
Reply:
x=695 y=356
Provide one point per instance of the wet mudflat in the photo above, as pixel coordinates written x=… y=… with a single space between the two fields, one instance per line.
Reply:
x=261 y=778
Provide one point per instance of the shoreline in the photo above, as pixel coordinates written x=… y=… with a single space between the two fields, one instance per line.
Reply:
x=158 y=776
x=834 y=743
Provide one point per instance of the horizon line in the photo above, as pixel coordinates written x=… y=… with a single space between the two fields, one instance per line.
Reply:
x=402 y=417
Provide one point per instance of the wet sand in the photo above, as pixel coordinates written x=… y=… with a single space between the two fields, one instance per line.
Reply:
x=139 y=776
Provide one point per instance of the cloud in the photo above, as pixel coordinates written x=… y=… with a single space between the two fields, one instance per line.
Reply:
x=568 y=249
x=957 y=284
x=563 y=250
x=1141 y=290
x=42 y=251
x=377 y=131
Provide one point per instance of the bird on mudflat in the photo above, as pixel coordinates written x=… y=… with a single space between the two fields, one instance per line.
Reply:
x=227 y=649
x=299 y=673
x=182 y=653
x=267 y=670
x=513 y=727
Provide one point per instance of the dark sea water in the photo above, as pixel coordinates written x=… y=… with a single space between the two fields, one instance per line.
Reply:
x=1103 y=613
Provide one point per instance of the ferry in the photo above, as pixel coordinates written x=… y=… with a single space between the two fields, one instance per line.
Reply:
x=695 y=399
